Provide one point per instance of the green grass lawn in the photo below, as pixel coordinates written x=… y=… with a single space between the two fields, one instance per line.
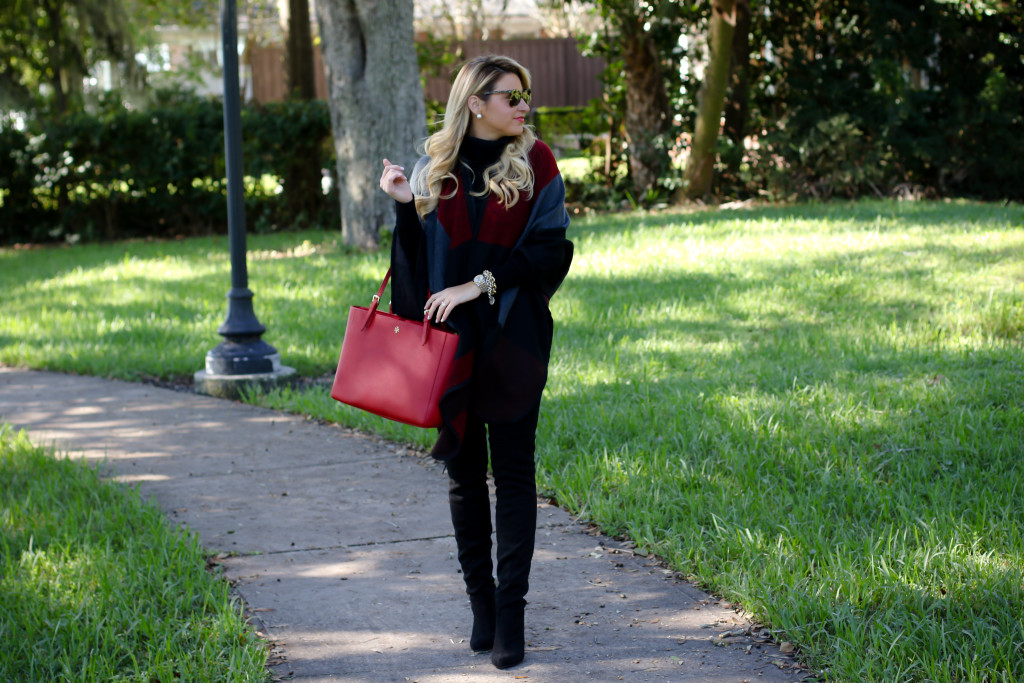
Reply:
x=817 y=411
x=96 y=586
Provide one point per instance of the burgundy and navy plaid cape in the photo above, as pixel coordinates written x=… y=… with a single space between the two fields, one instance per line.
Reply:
x=502 y=359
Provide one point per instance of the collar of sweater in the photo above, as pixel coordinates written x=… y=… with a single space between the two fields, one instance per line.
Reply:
x=478 y=154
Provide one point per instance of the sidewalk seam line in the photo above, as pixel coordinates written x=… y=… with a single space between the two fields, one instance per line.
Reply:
x=355 y=545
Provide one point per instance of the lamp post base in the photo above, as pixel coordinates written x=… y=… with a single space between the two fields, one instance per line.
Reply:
x=242 y=363
x=231 y=386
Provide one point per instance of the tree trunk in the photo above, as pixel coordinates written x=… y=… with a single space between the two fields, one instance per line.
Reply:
x=646 y=107
x=376 y=102
x=56 y=58
x=299 y=58
x=303 y=193
x=738 y=106
x=700 y=166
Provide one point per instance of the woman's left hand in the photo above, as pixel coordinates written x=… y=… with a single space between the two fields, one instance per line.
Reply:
x=439 y=306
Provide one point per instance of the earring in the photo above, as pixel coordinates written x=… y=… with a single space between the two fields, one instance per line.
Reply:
x=479 y=115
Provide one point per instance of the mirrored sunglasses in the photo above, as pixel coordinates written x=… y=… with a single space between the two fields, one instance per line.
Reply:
x=514 y=96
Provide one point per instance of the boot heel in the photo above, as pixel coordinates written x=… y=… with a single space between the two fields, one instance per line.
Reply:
x=484 y=618
x=509 y=640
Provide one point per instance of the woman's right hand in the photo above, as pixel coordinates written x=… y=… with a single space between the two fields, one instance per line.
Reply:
x=394 y=183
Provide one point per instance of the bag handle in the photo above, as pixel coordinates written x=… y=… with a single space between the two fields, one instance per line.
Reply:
x=376 y=302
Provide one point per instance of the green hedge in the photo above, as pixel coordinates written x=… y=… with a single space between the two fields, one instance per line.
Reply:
x=160 y=171
x=873 y=97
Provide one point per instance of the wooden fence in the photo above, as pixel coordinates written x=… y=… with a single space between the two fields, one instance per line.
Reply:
x=562 y=77
x=269 y=81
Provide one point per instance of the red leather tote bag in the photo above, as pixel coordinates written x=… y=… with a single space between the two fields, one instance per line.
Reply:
x=392 y=366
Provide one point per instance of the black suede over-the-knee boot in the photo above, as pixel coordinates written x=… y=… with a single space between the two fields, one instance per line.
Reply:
x=472 y=523
x=516 y=528
x=470 y=505
x=512 y=448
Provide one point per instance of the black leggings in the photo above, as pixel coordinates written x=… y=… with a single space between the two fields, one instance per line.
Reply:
x=511 y=453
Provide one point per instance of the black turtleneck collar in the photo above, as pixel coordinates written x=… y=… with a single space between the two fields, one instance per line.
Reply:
x=478 y=154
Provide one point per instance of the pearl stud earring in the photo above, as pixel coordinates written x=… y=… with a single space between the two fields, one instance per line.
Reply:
x=479 y=115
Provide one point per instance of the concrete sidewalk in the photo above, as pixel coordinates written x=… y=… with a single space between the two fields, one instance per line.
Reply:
x=341 y=546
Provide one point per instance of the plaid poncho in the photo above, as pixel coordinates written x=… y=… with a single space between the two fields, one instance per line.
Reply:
x=502 y=358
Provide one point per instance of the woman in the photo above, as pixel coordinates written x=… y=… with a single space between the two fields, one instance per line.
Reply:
x=480 y=245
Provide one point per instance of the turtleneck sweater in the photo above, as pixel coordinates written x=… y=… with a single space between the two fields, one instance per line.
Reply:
x=478 y=154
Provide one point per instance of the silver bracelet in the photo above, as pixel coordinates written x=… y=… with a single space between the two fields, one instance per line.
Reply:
x=485 y=282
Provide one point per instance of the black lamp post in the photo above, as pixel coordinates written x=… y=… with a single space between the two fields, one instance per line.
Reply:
x=243 y=358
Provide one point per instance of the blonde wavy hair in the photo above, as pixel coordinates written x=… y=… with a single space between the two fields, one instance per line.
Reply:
x=510 y=176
